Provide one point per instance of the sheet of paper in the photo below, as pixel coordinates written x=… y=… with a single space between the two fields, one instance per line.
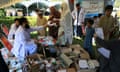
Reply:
x=105 y=52
x=63 y=70
x=99 y=32
x=83 y=64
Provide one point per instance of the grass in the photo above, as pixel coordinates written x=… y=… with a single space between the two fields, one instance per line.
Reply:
x=78 y=41
x=81 y=41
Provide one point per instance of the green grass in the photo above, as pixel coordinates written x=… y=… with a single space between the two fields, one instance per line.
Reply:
x=77 y=41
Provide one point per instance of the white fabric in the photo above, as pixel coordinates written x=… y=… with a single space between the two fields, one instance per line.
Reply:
x=12 y=31
x=99 y=32
x=23 y=43
x=68 y=29
x=66 y=22
x=80 y=18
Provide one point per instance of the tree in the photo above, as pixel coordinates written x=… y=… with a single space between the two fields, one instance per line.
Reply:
x=2 y=13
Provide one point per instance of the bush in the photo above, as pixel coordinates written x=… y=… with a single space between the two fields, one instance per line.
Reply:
x=2 y=13
x=9 y=20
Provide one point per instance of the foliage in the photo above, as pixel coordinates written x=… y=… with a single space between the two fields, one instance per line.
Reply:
x=20 y=6
x=40 y=6
x=9 y=20
x=2 y=13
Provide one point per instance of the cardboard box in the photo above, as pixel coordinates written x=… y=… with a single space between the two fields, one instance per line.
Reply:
x=71 y=70
x=67 y=70
x=88 y=70
x=78 y=50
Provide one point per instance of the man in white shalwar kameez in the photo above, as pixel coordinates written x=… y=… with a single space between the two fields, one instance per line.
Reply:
x=23 y=44
x=66 y=24
x=13 y=29
x=78 y=15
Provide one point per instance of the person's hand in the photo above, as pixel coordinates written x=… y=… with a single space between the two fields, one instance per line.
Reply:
x=84 y=33
x=95 y=35
x=35 y=40
x=46 y=25
x=74 y=18
x=55 y=19
x=61 y=34
x=82 y=23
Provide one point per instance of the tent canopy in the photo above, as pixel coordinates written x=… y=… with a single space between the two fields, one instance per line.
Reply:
x=6 y=3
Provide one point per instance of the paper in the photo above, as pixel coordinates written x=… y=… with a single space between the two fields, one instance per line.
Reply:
x=83 y=64
x=64 y=70
x=105 y=52
x=99 y=32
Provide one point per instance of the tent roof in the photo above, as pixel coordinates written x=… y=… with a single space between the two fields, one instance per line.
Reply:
x=6 y=3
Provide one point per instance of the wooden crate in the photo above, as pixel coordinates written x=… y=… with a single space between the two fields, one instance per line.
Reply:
x=31 y=61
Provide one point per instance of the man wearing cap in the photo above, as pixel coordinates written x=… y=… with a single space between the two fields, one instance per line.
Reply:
x=41 y=20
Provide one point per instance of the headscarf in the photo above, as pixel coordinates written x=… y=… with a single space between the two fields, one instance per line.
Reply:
x=65 y=9
x=54 y=13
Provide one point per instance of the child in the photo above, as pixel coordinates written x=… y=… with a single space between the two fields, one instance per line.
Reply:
x=88 y=37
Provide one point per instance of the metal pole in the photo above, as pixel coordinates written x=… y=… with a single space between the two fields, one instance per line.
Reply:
x=27 y=10
x=37 y=4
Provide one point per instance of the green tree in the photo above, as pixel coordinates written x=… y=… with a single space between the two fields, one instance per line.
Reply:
x=2 y=13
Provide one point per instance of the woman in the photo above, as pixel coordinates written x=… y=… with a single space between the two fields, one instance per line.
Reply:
x=53 y=19
x=66 y=24
x=23 y=44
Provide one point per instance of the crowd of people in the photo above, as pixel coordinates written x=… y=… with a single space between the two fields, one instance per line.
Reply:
x=63 y=26
x=59 y=25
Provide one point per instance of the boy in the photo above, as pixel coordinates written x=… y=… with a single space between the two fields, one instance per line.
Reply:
x=88 y=37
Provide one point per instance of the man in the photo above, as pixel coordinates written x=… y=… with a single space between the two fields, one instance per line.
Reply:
x=41 y=21
x=13 y=29
x=78 y=15
x=107 y=22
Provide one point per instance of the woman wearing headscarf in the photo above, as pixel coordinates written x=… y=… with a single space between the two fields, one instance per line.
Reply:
x=54 y=22
x=66 y=29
